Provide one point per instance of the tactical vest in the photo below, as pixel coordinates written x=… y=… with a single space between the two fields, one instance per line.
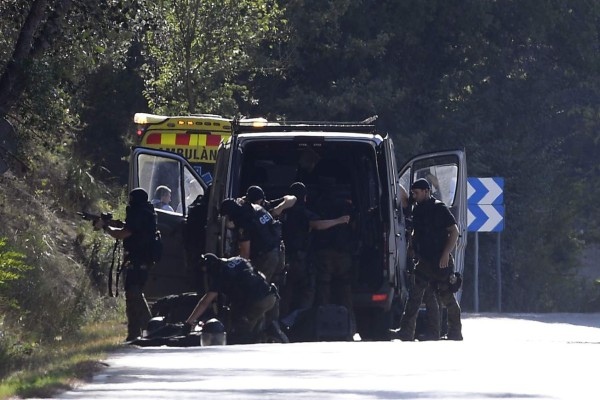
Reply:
x=430 y=231
x=266 y=232
x=296 y=228
x=141 y=219
x=241 y=283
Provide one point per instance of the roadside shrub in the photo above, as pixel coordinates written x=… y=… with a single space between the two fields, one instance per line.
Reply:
x=12 y=268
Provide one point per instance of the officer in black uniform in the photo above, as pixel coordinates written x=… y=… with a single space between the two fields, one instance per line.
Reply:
x=258 y=234
x=433 y=237
x=299 y=290
x=137 y=235
x=252 y=299
x=334 y=250
x=432 y=320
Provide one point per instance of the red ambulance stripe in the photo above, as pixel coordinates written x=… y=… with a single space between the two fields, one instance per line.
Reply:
x=213 y=140
x=182 y=140
x=153 y=138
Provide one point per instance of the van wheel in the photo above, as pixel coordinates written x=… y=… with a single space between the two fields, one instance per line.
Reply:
x=373 y=324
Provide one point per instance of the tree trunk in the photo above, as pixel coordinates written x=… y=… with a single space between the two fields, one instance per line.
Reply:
x=37 y=34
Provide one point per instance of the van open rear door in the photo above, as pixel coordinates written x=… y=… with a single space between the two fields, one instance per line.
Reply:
x=446 y=172
x=150 y=169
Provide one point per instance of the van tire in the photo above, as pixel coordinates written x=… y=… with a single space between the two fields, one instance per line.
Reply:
x=373 y=323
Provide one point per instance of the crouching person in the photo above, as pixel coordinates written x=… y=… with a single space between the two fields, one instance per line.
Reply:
x=252 y=299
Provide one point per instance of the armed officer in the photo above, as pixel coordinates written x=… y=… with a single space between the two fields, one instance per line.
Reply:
x=433 y=237
x=137 y=235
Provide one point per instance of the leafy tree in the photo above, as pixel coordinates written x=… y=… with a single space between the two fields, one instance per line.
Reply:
x=513 y=82
x=199 y=56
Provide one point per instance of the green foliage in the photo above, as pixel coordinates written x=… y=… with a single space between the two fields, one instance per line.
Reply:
x=109 y=98
x=12 y=268
x=199 y=55
x=511 y=82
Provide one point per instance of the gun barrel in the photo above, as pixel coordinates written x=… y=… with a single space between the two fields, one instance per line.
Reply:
x=88 y=216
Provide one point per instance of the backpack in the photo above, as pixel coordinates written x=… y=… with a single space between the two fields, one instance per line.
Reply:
x=146 y=246
x=194 y=229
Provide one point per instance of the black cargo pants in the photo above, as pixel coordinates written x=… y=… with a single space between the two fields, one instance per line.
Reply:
x=299 y=289
x=136 y=308
x=334 y=271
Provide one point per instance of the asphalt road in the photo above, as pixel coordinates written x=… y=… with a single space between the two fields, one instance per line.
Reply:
x=515 y=356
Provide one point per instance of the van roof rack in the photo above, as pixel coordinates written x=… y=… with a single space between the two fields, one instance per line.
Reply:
x=262 y=125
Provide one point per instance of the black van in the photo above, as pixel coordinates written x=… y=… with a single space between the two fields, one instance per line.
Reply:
x=353 y=159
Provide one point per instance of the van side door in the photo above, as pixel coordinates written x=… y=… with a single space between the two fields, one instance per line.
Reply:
x=150 y=169
x=446 y=172
x=215 y=226
x=396 y=238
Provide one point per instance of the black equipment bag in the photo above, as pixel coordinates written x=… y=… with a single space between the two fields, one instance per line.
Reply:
x=332 y=323
x=176 y=307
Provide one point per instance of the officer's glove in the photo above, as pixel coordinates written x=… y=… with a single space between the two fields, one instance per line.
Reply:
x=455 y=282
x=185 y=329
x=98 y=224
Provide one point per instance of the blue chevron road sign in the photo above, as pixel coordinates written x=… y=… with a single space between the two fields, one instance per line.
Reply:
x=485 y=200
x=485 y=218
x=485 y=190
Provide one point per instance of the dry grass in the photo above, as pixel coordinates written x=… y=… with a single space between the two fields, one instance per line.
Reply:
x=65 y=364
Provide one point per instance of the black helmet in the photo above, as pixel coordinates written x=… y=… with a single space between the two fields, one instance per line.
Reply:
x=254 y=194
x=298 y=189
x=213 y=333
x=138 y=196
x=231 y=208
x=155 y=325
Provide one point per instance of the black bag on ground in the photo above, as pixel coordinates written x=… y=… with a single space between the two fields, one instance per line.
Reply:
x=332 y=323
x=329 y=322
x=176 y=307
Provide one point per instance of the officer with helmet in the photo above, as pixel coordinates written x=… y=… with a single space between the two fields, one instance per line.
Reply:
x=258 y=234
x=252 y=299
x=137 y=235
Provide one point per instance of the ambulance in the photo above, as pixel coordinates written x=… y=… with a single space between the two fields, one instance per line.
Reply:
x=195 y=137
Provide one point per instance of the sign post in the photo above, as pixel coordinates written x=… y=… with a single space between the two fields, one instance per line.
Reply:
x=485 y=201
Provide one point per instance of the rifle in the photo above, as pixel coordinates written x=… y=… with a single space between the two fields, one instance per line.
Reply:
x=105 y=216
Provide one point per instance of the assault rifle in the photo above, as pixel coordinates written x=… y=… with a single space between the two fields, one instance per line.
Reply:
x=108 y=220
x=105 y=216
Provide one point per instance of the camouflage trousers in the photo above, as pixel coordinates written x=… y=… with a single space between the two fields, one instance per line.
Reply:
x=428 y=289
x=249 y=320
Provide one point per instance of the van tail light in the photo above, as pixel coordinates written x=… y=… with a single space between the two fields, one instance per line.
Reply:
x=379 y=297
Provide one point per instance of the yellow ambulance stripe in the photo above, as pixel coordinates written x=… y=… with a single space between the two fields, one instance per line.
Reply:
x=201 y=140
x=168 y=139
